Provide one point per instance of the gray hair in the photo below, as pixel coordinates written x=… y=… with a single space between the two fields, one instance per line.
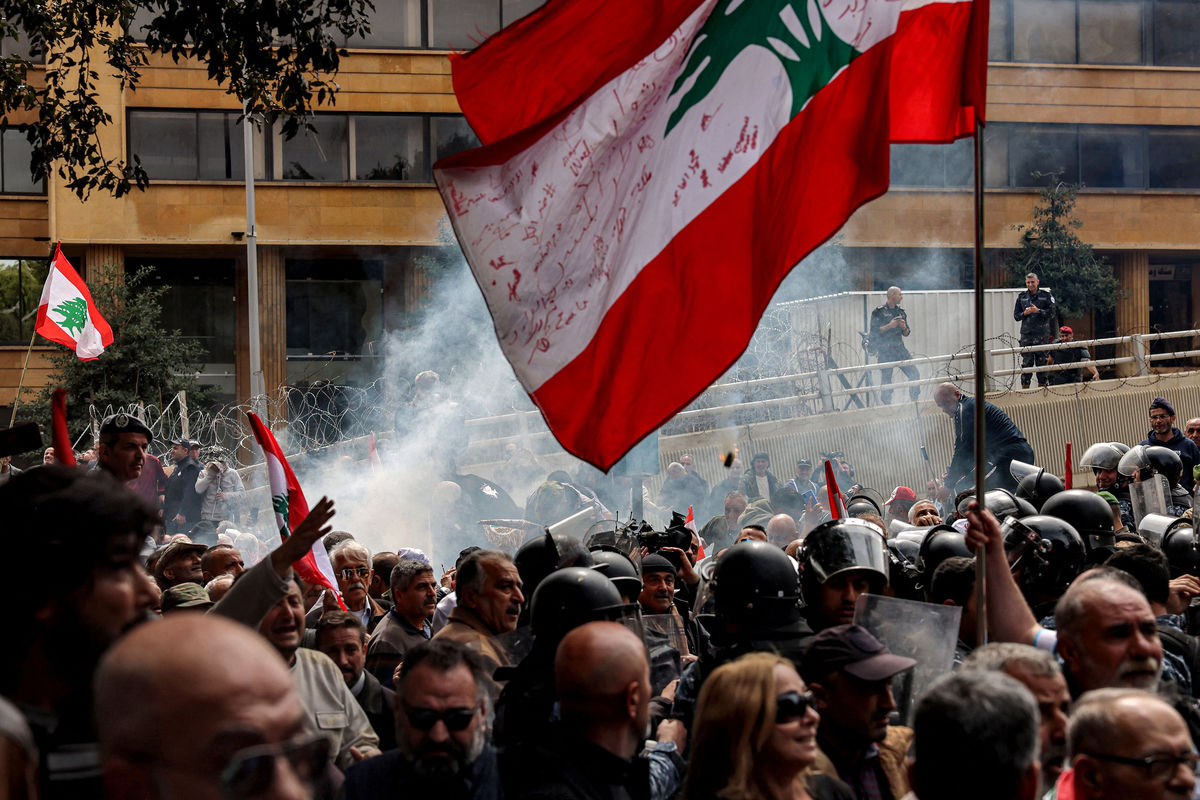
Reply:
x=977 y=729
x=999 y=656
x=1068 y=612
x=471 y=573
x=1031 y=275
x=404 y=572
x=1095 y=719
x=353 y=547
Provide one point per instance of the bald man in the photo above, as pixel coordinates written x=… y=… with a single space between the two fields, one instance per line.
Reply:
x=1004 y=441
x=1127 y=744
x=187 y=706
x=781 y=530
x=602 y=679
x=889 y=326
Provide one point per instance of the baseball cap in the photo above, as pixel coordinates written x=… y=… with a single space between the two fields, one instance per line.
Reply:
x=173 y=551
x=902 y=493
x=853 y=650
x=804 y=462
x=1066 y=329
x=185 y=595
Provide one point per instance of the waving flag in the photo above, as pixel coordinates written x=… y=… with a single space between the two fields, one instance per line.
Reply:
x=287 y=499
x=634 y=208
x=64 y=451
x=66 y=313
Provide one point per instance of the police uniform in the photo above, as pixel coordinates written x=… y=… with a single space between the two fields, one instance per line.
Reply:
x=1037 y=328
x=889 y=346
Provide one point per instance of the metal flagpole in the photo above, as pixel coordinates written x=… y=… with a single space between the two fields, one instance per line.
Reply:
x=980 y=390
x=257 y=388
x=17 y=397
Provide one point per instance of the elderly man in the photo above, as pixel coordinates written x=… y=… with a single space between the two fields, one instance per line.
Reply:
x=1040 y=674
x=1107 y=636
x=602 y=681
x=331 y=707
x=1038 y=315
x=976 y=734
x=782 y=531
x=244 y=724
x=681 y=490
x=441 y=716
x=342 y=637
x=1164 y=434
x=180 y=562
x=407 y=624
x=1127 y=744
x=123 y=442
x=221 y=559
x=889 y=326
x=489 y=604
x=351 y=563
x=721 y=531
x=1004 y=440
x=849 y=673
x=924 y=513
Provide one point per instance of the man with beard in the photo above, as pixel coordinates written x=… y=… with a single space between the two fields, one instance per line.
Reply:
x=407 y=624
x=87 y=529
x=1041 y=675
x=342 y=637
x=849 y=673
x=489 y=604
x=332 y=709
x=1164 y=434
x=441 y=721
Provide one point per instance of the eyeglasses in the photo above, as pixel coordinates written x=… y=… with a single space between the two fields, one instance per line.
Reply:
x=791 y=706
x=455 y=719
x=1160 y=416
x=251 y=771
x=1156 y=767
x=349 y=572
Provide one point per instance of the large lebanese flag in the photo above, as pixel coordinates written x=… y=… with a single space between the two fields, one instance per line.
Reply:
x=651 y=171
x=67 y=314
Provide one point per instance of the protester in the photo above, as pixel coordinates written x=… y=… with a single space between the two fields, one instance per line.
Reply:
x=341 y=636
x=1004 y=441
x=407 y=623
x=181 y=502
x=489 y=604
x=1164 y=433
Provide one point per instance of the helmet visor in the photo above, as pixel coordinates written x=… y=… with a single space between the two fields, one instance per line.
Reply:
x=847 y=547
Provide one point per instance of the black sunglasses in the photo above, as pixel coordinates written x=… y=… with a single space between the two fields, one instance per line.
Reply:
x=1156 y=767
x=791 y=706
x=456 y=719
x=251 y=771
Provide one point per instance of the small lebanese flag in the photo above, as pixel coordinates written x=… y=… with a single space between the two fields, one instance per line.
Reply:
x=287 y=499
x=67 y=314
x=690 y=524
x=373 y=454
x=64 y=453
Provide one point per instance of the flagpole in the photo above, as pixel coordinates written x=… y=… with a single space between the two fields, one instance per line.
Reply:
x=980 y=390
x=17 y=397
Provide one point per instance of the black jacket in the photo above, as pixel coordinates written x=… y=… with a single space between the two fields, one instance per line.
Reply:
x=1041 y=327
x=378 y=704
x=181 y=496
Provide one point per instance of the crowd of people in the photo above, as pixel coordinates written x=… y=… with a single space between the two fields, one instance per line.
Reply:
x=759 y=653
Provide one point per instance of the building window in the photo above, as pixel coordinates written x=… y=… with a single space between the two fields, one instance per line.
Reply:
x=191 y=145
x=16 y=154
x=389 y=148
x=334 y=307
x=1176 y=33
x=199 y=301
x=321 y=154
x=21 y=283
x=1097 y=156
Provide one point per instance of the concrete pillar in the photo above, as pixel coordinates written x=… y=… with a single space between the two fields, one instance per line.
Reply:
x=272 y=314
x=1133 y=309
x=104 y=255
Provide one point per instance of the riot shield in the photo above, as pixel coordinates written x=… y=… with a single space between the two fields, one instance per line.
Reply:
x=508 y=534
x=1149 y=496
x=926 y=632
x=576 y=525
x=667 y=644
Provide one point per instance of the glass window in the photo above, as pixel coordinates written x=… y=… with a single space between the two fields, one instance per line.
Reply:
x=918 y=165
x=1174 y=159
x=221 y=147
x=1111 y=158
x=20 y=288
x=995 y=154
x=462 y=24
x=960 y=162
x=513 y=10
x=18 y=154
x=451 y=135
x=999 y=45
x=198 y=301
x=394 y=23
x=320 y=155
x=1044 y=31
x=1177 y=33
x=389 y=148
x=166 y=143
x=1110 y=31
x=1043 y=149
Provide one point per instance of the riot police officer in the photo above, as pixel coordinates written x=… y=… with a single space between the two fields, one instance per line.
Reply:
x=1038 y=315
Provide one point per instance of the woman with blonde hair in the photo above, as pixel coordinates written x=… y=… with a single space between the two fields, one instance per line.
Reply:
x=755 y=736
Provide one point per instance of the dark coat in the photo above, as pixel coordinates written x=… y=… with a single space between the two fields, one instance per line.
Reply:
x=379 y=704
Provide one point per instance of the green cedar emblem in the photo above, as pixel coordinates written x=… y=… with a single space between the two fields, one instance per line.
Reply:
x=74 y=315
x=279 y=502
x=810 y=52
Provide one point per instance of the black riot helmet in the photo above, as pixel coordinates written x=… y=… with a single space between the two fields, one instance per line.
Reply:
x=1002 y=503
x=865 y=501
x=1047 y=552
x=1103 y=455
x=755 y=588
x=570 y=597
x=904 y=555
x=942 y=542
x=1034 y=483
x=1182 y=551
x=544 y=554
x=1165 y=462
x=618 y=568
x=841 y=545
x=1091 y=517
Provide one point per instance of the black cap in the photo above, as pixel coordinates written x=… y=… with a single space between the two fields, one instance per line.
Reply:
x=125 y=423
x=656 y=563
x=853 y=650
